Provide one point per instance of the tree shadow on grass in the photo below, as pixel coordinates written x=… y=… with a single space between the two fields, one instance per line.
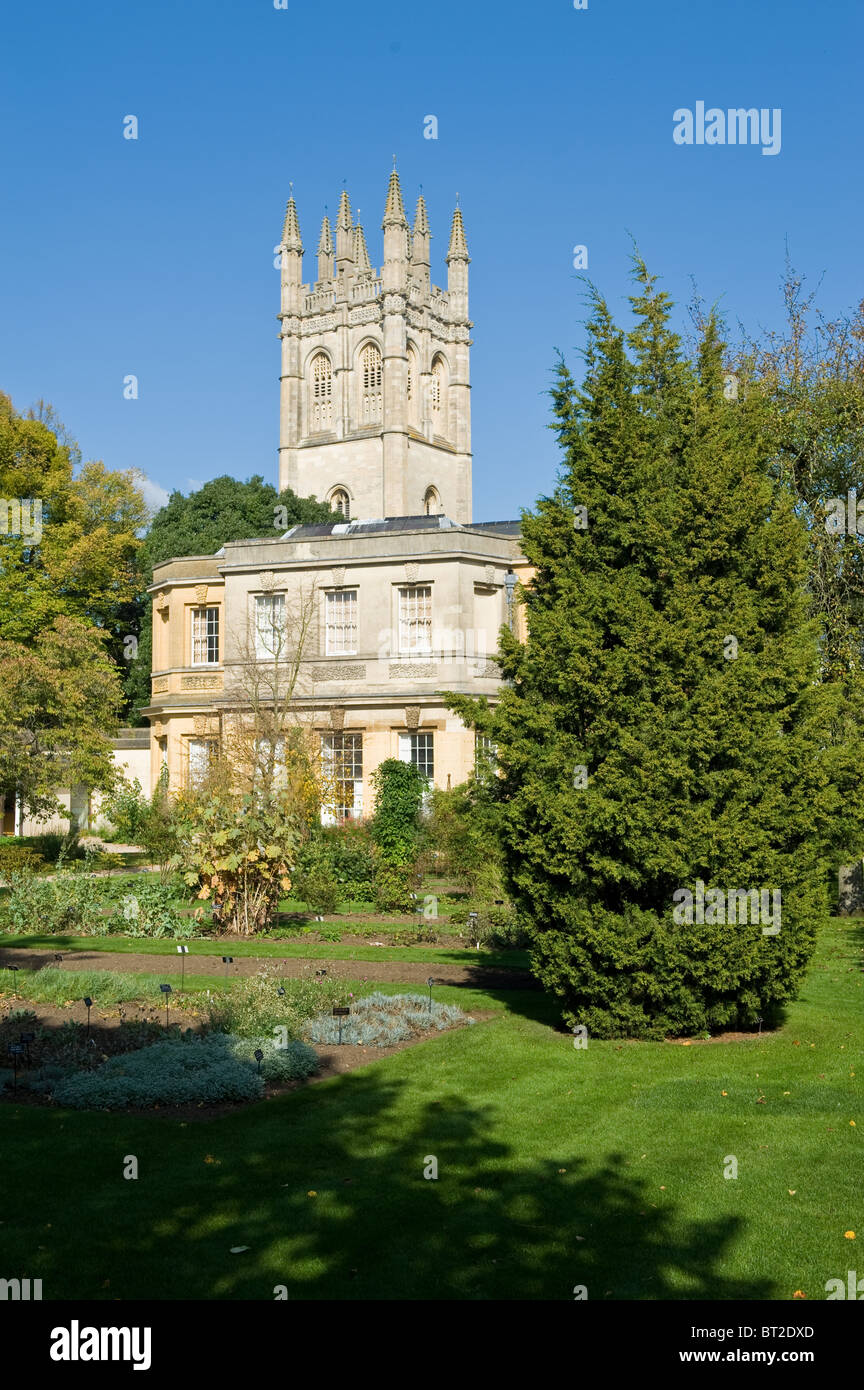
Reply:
x=326 y=1191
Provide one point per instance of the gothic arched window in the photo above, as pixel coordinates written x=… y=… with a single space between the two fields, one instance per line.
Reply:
x=413 y=387
x=321 y=389
x=432 y=502
x=370 y=385
x=340 y=502
x=438 y=394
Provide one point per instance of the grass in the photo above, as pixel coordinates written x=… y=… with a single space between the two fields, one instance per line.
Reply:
x=557 y=1167
x=267 y=950
x=58 y=987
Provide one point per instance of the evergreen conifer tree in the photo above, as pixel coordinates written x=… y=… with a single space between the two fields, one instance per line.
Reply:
x=664 y=726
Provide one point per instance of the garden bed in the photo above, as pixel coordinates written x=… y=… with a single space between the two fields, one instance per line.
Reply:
x=296 y=967
x=66 y=1039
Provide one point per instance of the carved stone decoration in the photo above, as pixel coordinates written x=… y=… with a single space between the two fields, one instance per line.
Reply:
x=412 y=716
x=199 y=724
x=355 y=671
x=337 y=717
x=201 y=683
x=338 y=577
x=394 y=304
x=369 y=313
x=267 y=579
x=490 y=574
x=201 y=593
x=160 y=685
x=158 y=728
x=161 y=601
x=411 y=671
x=412 y=573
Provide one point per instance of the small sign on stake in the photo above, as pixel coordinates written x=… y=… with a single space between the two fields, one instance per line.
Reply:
x=340 y=1012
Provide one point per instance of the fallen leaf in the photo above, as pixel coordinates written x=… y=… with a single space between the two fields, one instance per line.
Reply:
x=238 y=1249
x=799 y=1293
x=792 y=1191
x=849 y=1235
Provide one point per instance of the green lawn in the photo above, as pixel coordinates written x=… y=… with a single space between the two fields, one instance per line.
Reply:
x=641 y=1210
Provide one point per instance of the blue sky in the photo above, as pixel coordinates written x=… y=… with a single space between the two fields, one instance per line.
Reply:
x=155 y=256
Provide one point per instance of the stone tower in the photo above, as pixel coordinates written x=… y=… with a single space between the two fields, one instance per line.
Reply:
x=375 y=410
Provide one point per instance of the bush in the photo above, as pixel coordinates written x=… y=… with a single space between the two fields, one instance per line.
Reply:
x=414 y=936
x=350 y=851
x=128 y=810
x=236 y=852
x=393 y=886
x=253 y=1006
x=68 y=903
x=15 y=859
x=50 y=847
x=314 y=881
x=381 y=1020
x=149 y=909
x=293 y=1062
x=395 y=832
x=462 y=836
x=166 y=1073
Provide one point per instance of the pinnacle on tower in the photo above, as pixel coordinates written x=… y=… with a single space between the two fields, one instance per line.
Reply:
x=343 y=217
x=325 y=252
x=458 y=248
x=419 y=240
x=291 y=238
x=361 y=254
x=421 y=221
x=325 y=244
x=344 y=235
x=394 y=212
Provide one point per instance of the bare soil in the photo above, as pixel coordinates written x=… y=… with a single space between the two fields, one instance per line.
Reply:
x=404 y=971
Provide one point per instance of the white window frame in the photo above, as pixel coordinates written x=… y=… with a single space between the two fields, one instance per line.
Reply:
x=269 y=637
x=340 y=621
x=208 y=640
x=345 y=748
x=204 y=761
x=410 y=745
x=414 y=616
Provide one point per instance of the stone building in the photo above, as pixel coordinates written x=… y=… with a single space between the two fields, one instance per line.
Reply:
x=402 y=594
